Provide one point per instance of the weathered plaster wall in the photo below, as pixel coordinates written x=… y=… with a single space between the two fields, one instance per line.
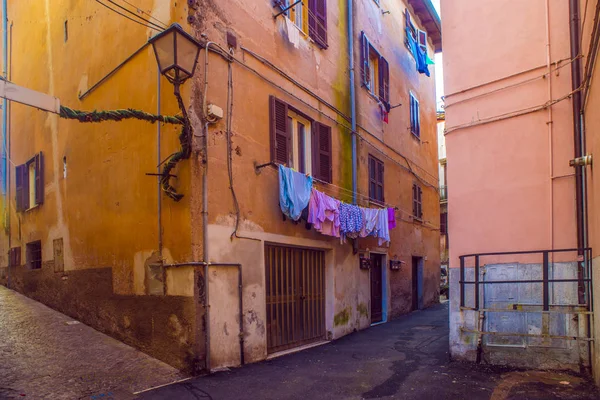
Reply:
x=105 y=208
x=324 y=73
x=511 y=188
x=517 y=351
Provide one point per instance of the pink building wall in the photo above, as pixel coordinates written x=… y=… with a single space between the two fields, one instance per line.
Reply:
x=512 y=187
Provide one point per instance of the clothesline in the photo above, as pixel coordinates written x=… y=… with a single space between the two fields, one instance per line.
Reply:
x=299 y=199
x=327 y=186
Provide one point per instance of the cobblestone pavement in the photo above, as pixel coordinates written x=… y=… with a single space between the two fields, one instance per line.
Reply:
x=403 y=359
x=44 y=355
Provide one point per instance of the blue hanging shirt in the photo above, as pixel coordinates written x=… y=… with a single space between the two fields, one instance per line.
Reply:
x=419 y=55
x=294 y=192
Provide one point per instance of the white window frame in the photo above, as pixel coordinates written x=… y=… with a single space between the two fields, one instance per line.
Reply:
x=298 y=119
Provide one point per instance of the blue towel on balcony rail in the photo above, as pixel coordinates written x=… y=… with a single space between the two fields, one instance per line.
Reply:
x=294 y=192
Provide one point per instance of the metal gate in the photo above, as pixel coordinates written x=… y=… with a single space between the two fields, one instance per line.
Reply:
x=295 y=288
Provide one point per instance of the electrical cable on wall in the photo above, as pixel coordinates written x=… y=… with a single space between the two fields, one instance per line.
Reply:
x=129 y=18
x=136 y=15
x=146 y=13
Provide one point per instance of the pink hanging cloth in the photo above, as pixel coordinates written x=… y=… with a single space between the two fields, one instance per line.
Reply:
x=391 y=218
x=324 y=213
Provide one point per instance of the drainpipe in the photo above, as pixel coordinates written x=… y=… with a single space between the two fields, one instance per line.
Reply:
x=4 y=102
x=578 y=140
x=352 y=96
x=205 y=212
x=158 y=161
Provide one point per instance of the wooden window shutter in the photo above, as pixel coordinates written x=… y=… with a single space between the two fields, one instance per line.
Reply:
x=420 y=201
x=417 y=119
x=20 y=184
x=415 y=205
x=280 y=133
x=317 y=21
x=39 y=178
x=322 y=155
x=364 y=60
x=412 y=114
x=384 y=81
x=372 y=178
x=380 y=193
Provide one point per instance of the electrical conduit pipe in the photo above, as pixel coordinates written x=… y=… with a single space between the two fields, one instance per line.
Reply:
x=352 y=96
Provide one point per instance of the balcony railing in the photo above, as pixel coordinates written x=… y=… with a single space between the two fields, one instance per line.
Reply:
x=443 y=194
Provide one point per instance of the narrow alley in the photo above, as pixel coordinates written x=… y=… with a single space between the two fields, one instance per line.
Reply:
x=47 y=355
x=404 y=359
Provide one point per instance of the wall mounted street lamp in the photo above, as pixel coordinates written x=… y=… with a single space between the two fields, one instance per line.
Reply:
x=176 y=53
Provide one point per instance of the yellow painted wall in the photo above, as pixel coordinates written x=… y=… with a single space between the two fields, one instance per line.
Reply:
x=106 y=208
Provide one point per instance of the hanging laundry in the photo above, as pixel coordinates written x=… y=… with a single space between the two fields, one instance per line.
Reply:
x=382 y=226
x=351 y=221
x=324 y=213
x=294 y=192
x=391 y=218
x=418 y=54
x=370 y=217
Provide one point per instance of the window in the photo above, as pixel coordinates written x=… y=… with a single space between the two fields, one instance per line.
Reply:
x=298 y=142
x=29 y=183
x=415 y=121
x=15 y=257
x=301 y=150
x=376 y=71
x=444 y=223
x=417 y=202
x=376 y=180
x=310 y=18
x=34 y=255
x=417 y=35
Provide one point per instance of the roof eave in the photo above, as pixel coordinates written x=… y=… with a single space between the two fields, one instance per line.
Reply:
x=430 y=19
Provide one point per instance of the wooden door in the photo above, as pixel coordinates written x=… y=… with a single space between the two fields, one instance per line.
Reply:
x=376 y=288
x=295 y=291
x=417 y=283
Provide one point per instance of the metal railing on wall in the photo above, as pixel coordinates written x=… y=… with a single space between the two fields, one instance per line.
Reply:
x=584 y=278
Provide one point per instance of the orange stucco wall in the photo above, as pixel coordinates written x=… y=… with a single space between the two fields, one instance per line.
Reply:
x=325 y=73
x=511 y=186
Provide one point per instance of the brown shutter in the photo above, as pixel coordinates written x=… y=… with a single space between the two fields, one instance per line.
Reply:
x=420 y=202
x=364 y=60
x=384 y=81
x=22 y=187
x=415 y=206
x=280 y=133
x=39 y=178
x=380 y=193
x=417 y=119
x=317 y=21
x=372 y=179
x=322 y=152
